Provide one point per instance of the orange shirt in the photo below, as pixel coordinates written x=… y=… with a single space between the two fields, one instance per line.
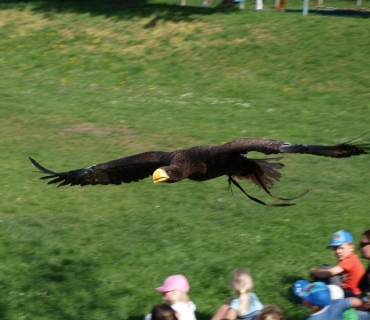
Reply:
x=353 y=272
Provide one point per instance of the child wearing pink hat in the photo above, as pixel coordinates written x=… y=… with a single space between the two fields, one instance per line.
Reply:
x=175 y=291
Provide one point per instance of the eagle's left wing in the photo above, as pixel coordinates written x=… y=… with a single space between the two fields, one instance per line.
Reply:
x=268 y=146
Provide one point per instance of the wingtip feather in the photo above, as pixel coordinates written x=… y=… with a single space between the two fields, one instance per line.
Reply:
x=40 y=167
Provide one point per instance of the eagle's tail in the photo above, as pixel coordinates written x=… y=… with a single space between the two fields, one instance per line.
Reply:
x=266 y=177
x=270 y=175
x=267 y=172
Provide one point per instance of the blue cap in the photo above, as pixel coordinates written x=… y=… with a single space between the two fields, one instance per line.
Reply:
x=316 y=293
x=340 y=237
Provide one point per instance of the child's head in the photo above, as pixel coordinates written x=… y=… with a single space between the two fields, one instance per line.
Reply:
x=315 y=295
x=241 y=281
x=175 y=288
x=365 y=244
x=163 y=312
x=270 y=312
x=242 y=285
x=342 y=244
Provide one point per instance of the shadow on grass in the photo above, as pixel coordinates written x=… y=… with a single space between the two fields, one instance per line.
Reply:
x=288 y=293
x=140 y=317
x=335 y=12
x=200 y=316
x=119 y=9
x=3 y=310
x=203 y=316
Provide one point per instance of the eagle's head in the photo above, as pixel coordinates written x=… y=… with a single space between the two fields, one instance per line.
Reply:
x=167 y=174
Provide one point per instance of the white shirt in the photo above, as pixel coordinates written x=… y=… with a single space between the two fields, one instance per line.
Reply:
x=185 y=310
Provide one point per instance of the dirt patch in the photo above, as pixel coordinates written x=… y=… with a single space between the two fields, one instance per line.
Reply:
x=24 y=20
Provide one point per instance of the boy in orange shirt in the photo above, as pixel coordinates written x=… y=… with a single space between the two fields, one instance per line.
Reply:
x=349 y=266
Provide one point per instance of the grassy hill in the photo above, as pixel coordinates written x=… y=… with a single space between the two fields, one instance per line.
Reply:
x=86 y=83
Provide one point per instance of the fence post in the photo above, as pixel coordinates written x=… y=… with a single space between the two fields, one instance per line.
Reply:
x=259 y=4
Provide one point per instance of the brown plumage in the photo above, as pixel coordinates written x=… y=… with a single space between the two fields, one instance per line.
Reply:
x=202 y=163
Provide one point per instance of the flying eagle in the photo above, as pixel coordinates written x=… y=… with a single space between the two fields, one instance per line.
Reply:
x=203 y=163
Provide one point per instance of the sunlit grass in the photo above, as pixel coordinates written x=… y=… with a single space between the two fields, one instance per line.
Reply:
x=87 y=84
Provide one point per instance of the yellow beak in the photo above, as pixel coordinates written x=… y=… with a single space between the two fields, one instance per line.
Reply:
x=160 y=175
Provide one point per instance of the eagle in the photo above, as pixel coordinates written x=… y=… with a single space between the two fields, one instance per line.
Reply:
x=203 y=163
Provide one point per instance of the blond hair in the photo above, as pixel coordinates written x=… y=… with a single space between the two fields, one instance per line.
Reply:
x=182 y=296
x=242 y=285
x=175 y=296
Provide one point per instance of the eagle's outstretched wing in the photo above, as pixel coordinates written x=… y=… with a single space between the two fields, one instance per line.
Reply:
x=123 y=170
x=267 y=146
x=203 y=163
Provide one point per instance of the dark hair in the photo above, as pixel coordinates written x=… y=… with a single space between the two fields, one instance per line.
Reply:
x=270 y=312
x=366 y=234
x=163 y=312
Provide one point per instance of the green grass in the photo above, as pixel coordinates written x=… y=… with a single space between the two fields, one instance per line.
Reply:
x=82 y=84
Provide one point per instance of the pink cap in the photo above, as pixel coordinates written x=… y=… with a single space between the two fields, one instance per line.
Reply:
x=176 y=282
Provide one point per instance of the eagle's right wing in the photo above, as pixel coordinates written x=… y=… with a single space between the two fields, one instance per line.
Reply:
x=123 y=170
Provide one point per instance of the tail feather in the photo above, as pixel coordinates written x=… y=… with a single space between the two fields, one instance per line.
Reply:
x=265 y=178
x=269 y=174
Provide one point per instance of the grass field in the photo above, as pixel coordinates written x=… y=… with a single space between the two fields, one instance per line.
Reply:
x=86 y=83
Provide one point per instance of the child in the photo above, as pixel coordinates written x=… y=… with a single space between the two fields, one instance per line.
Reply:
x=316 y=296
x=247 y=305
x=163 y=312
x=365 y=281
x=337 y=292
x=349 y=265
x=270 y=313
x=174 y=290
x=365 y=254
